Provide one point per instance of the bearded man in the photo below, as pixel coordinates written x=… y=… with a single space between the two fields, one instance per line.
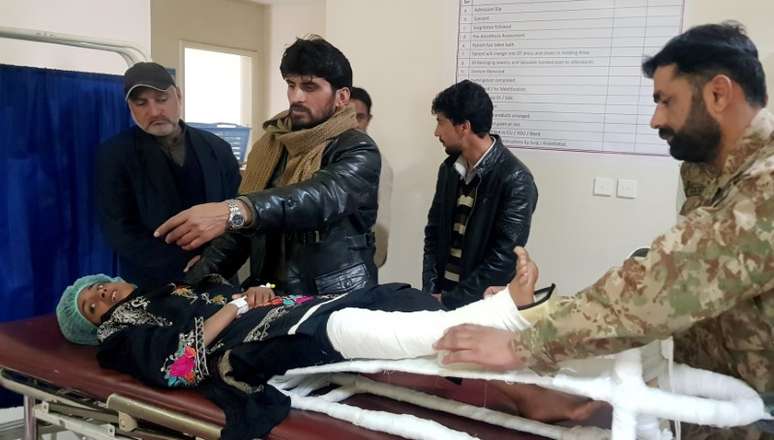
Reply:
x=309 y=194
x=709 y=280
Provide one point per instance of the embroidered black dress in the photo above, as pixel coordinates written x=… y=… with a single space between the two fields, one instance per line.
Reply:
x=156 y=335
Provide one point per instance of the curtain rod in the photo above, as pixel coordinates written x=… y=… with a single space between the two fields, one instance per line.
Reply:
x=130 y=53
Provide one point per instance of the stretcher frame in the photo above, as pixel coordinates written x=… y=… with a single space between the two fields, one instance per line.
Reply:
x=119 y=417
x=79 y=396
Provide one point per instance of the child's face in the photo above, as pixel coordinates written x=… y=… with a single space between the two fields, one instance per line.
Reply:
x=98 y=298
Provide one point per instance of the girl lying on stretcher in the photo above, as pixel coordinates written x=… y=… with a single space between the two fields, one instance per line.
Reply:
x=229 y=344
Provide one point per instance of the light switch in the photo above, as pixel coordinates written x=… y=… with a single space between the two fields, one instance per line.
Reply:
x=603 y=186
x=627 y=189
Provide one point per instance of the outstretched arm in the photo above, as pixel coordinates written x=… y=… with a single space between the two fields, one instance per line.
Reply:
x=714 y=259
x=348 y=183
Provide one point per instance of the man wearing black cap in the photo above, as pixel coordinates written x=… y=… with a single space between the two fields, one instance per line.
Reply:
x=154 y=170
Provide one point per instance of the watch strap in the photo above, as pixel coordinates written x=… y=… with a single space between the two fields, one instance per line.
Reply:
x=234 y=210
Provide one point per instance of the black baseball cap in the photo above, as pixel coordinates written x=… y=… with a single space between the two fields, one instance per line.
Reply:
x=147 y=74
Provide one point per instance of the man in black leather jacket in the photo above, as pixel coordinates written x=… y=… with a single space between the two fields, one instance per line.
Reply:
x=309 y=194
x=483 y=203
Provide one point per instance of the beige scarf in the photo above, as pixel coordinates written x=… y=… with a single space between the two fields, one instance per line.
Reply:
x=305 y=149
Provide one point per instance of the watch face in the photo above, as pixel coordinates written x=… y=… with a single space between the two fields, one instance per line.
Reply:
x=237 y=220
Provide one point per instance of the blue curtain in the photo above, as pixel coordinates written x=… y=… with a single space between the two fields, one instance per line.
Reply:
x=51 y=123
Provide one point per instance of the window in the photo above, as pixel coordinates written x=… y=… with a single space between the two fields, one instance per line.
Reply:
x=218 y=85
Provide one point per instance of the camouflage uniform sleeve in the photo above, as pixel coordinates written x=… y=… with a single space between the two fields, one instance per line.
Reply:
x=713 y=259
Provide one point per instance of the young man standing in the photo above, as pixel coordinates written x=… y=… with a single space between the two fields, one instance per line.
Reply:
x=309 y=192
x=483 y=203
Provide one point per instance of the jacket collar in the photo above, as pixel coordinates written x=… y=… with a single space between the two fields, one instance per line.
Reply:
x=487 y=161
x=154 y=165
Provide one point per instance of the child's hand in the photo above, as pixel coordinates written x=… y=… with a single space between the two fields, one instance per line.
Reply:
x=257 y=296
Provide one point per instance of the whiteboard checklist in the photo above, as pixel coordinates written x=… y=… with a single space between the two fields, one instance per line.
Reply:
x=566 y=75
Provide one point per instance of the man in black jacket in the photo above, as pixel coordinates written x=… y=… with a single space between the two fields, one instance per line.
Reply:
x=154 y=170
x=483 y=203
x=309 y=195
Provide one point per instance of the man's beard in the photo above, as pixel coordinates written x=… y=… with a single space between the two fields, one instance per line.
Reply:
x=299 y=124
x=451 y=150
x=170 y=128
x=698 y=140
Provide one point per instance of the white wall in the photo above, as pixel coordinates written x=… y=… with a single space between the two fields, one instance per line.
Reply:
x=403 y=52
x=754 y=14
x=126 y=20
x=288 y=19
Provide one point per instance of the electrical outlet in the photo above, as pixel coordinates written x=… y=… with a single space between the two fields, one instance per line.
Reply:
x=627 y=189
x=603 y=186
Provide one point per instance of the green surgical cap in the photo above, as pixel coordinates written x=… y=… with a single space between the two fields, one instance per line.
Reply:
x=74 y=326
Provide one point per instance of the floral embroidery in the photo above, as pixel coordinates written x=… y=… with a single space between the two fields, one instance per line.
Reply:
x=185 y=292
x=217 y=346
x=290 y=300
x=283 y=305
x=261 y=331
x=188 y=365
x=130 y=314
x=182 y=369
x=205 y=297
x=218 y=299
x=140 y=303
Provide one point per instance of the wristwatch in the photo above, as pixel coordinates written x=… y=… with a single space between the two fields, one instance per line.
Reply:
x=236 y=218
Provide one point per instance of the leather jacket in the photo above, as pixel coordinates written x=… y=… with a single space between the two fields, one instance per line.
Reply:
x=322 y=226
x=500 y=220
x=136 y=193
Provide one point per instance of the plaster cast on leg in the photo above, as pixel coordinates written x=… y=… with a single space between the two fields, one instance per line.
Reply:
x=371 y=334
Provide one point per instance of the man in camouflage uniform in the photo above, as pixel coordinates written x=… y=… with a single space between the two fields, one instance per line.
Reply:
x=709 y=281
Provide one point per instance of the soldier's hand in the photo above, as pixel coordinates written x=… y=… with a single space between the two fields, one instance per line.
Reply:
x=476 y=344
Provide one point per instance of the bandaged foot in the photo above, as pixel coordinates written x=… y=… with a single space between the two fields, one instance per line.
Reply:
x=369 y=334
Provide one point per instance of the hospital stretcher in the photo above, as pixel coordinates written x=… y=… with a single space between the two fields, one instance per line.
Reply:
x=63 y=386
